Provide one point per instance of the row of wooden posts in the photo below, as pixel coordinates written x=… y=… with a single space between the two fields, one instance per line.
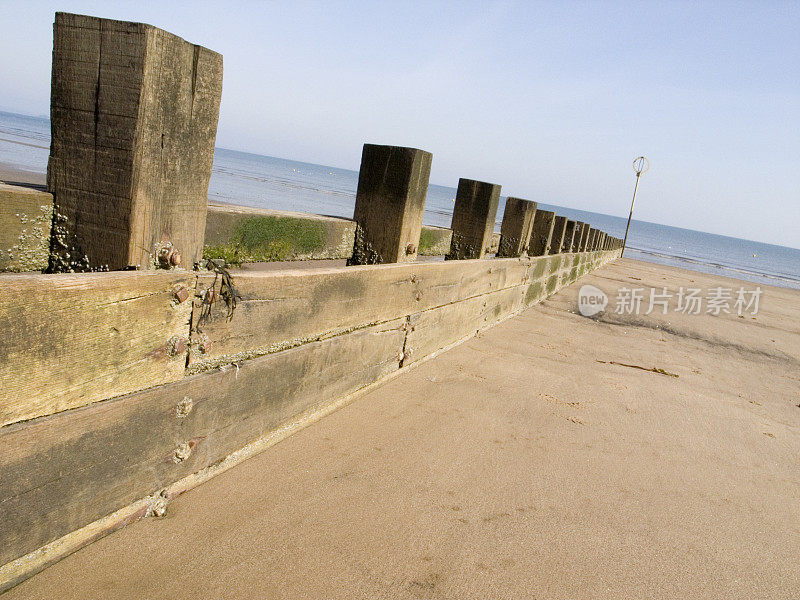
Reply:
x=134 y=113
x=390 y=201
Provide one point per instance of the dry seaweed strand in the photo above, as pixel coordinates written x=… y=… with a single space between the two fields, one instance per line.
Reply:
x=227 y=292
x=652 y=369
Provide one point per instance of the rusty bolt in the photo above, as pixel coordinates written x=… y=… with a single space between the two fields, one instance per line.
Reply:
x=413 y=278
x=411 y=248
x=181 y=294
x=175 y=258
x=177 y=345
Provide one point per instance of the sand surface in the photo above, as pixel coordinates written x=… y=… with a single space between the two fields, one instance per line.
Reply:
x=14 y=176
x=513 y=466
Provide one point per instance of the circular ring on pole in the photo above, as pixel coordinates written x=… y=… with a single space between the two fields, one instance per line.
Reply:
x=640 y=165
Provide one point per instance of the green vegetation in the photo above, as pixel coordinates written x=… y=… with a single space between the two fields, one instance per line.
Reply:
x=269 y=238
x=434 y=241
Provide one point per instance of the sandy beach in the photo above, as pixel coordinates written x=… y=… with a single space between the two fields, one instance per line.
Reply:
x=10 y=174
x=523 y=463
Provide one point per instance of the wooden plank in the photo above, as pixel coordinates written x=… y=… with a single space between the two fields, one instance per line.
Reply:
x=437 y=328
x=285 y=308
x=62 y=472
x=70 y=340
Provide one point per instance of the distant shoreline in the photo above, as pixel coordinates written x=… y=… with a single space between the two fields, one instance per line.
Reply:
x=11 y=173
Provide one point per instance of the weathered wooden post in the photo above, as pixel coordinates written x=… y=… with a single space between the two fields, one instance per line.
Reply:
x=559 y=229
x=603 y=237
x=515 y=231
x=133 y=113
x=542 y=233
x=474 y=214
x=569 y=234
x=584 y=235
x=590 y=244
x=390 y=200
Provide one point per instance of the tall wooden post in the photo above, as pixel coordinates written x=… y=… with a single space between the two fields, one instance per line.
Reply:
x=542 y=233
x=569 y=234
x=474 y=215
x=590 y=242
x=390 y=200
x=559 y=229
x=515 y=231
x=584 y=233
x=133 y=114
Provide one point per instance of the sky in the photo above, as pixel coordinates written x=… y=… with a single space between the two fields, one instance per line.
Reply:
x=552 y=100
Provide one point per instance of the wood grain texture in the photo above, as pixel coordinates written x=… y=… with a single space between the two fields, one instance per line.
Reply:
x=62 y=472
x=515 y=233
x=474 y=214
x=134 y=115
x=390 y=200
x=286 y=308
x=437 y=328
x=70 y=340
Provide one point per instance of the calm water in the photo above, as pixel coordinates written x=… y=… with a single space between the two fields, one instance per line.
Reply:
x=267 y=182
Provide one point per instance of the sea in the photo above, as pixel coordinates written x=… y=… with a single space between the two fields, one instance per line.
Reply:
x=282 y=184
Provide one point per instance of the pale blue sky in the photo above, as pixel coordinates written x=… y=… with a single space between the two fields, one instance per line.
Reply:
x=552 y=100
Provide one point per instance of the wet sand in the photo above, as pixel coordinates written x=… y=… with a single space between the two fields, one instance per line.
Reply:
x=513 y=466
x=14 y=176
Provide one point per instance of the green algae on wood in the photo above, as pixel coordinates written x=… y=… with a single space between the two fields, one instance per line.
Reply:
x=241 y=235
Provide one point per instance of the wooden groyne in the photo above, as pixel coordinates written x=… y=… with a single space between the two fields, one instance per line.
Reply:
x=122 y=389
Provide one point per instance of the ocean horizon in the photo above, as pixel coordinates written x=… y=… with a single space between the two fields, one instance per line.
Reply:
x=282 y=184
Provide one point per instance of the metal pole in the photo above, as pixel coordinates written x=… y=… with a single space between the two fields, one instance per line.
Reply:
x=640 y=165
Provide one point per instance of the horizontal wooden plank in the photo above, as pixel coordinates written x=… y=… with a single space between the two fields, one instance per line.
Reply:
x=62 y=472
x=437 y=328
x=70 y=340
x=287 y=307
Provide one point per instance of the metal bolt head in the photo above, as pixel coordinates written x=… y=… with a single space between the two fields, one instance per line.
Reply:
x=175 y=258
x=181 y=294
x=411 y=248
